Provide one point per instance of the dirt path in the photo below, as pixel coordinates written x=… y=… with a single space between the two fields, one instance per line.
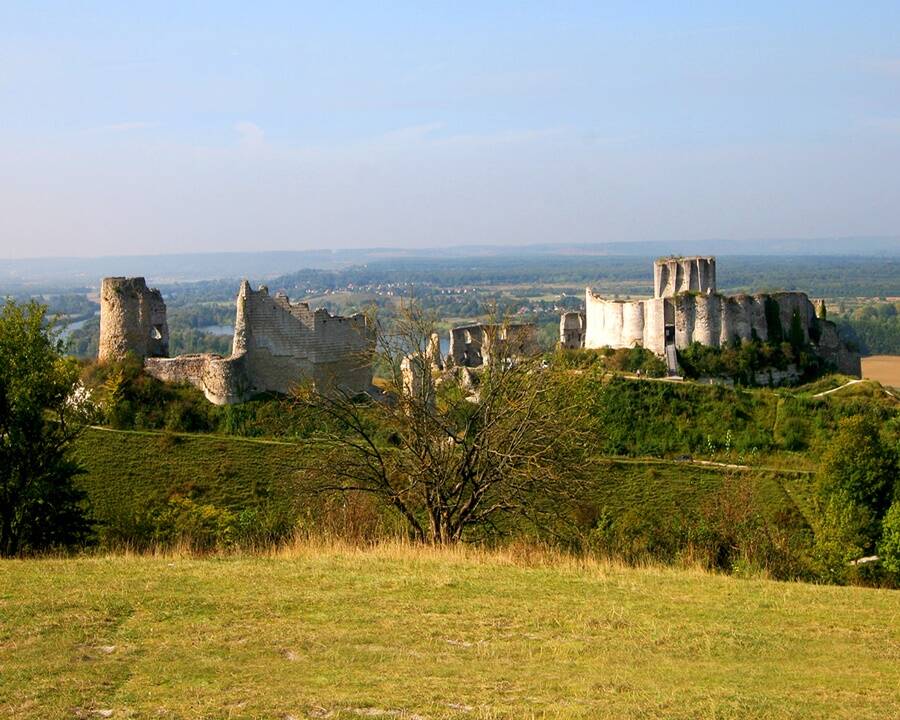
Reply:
x=605 y=458
x=206 y=436
x=841 y=387
x=703 y=463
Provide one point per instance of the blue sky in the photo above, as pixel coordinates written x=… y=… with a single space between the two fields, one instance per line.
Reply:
x=165 y=127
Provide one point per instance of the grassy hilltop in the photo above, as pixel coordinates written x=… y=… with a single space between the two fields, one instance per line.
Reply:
x=408 y=632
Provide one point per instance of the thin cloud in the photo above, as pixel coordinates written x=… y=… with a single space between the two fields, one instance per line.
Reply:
x=130 y=126
x=885 y=124
x=884 y=66
x=413 y=132
x=250 y=135
x=503 y=137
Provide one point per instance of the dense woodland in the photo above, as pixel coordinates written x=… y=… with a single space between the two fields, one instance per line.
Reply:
x=873 y=327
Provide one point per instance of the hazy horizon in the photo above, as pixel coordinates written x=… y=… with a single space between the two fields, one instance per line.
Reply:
x=886 y=246
x=217 y=127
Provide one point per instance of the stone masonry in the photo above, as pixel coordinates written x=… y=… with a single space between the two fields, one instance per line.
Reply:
x=473 y=345
x=132 y=319
x=276 y=346
x=686 y=308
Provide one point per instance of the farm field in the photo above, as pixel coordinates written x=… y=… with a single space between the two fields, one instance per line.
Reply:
x=397 y=631
x=883 y=368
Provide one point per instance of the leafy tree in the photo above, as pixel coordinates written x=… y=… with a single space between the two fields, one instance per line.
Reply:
x=41 y=412
x=889 y=545
x=796 y=336
x=861 y=466
x=453 y=452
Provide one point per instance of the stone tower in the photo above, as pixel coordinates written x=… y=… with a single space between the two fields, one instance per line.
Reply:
x=675 y=275
x=132 y=319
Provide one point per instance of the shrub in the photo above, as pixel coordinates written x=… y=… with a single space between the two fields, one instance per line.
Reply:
x=201 y=526
x=620 y=359
x=795 y=434
x=840 y=537
x=889 y=544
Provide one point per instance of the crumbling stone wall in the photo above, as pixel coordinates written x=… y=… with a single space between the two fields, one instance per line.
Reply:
x=276 y=344
x=282 y=342
x=223 y=380
x=473 y=345
x=132 y=319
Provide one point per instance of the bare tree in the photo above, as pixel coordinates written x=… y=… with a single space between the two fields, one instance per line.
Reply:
x=452 y=450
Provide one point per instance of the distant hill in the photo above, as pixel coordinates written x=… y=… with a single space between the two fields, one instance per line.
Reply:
x=86 y=271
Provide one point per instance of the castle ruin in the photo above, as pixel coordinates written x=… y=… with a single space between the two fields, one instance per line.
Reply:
x=276 y=344
x=473 y=345
x=132 y=319
x=686 y=308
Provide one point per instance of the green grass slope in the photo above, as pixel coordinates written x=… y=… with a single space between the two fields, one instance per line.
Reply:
x=418 y=633
x=659 y=487
x=128 y=472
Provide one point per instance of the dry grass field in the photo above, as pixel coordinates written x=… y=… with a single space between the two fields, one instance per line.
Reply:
x=883 y=368
x=408 y=632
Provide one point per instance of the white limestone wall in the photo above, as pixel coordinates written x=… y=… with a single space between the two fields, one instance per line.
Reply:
x=654 y=325
x=684 y=320
x=708 y=319
x=614 y=323
x=715 y=320
x=712 y=320
x=605 y=322
x=571 y=330
x=790 y=303
x=758 y=322
x=632 y=323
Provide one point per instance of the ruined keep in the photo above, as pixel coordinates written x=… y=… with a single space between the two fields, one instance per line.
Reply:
x=276 y=345
x=132 y=319
x=686 y=308
x=672 y=276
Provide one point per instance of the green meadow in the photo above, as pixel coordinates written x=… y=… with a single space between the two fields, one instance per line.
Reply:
x=325 y=631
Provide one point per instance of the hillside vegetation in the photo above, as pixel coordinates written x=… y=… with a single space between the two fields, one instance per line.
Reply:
x=680 y=472
x=131 y=476
x=413 y=632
